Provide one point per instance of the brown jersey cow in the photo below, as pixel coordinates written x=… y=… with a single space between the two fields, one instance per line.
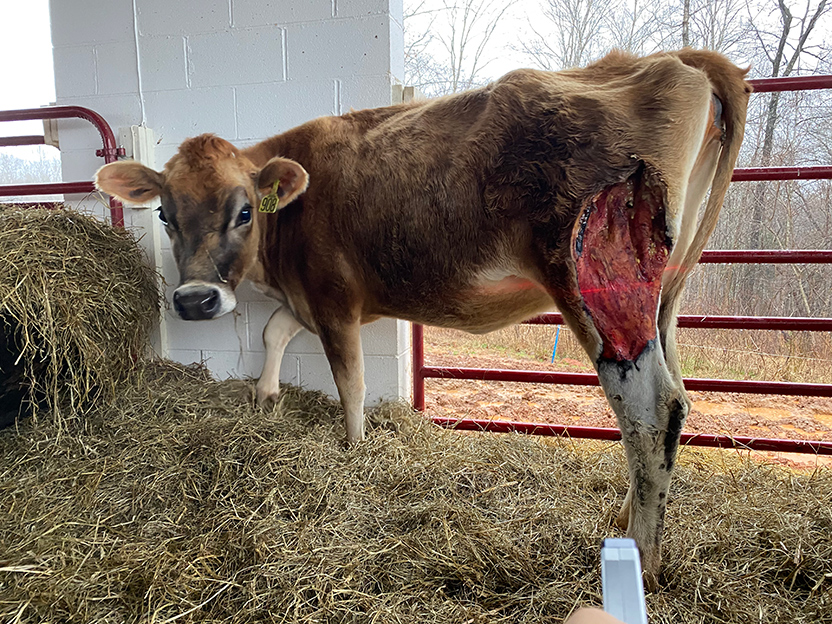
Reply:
x=579 y=190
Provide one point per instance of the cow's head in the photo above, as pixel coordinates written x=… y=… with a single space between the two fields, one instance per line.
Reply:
x=210 y=194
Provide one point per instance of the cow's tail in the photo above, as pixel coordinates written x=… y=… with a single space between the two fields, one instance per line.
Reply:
x=729 y=85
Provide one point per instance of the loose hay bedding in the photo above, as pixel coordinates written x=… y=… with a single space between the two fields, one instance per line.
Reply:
x=174 y=498
x=182 y=501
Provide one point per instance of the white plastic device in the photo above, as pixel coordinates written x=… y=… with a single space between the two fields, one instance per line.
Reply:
x=621 y=581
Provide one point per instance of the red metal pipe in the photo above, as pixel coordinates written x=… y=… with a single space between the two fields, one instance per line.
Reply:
x=767 y=256
x=753 y=174
x=66 y=112
x=12 y=190
x=755 y=322
x=418 y=340
x=590 y=379
x=420 y=371
x=32 y=139
x=746 y=386
x=791 y=83
x=702 y=321
x=813 y=447
x=110 y=151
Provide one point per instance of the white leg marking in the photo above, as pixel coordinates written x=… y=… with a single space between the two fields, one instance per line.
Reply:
x=352 y=389
x=280 y=329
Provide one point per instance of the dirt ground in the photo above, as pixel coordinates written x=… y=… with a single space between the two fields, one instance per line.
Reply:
x=762 y=416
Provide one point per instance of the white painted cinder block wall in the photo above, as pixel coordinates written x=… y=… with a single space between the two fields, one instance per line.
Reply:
x=245 y=70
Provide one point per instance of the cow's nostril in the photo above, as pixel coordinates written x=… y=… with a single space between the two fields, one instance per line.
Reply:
x=211 y=302
x=177 y=304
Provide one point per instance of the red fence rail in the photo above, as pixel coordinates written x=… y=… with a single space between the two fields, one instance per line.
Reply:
x=109 y=151
x=422 y=372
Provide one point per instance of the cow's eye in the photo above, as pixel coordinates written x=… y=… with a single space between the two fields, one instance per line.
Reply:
x=162 y=216
x=244 y=216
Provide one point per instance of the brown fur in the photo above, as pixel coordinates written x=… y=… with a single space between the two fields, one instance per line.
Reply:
x=465 y=212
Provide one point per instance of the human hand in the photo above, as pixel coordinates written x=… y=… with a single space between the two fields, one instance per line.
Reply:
x=591 y=616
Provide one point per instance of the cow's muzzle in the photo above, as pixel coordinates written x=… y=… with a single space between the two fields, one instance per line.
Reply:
x=196 y=301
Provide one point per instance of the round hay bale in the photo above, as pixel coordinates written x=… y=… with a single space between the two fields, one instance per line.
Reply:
x=77 y=303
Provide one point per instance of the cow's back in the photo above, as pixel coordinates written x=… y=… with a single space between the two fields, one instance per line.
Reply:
x=417 y=200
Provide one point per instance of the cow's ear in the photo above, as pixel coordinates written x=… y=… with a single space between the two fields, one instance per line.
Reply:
x=292 y=177
x=130 y=181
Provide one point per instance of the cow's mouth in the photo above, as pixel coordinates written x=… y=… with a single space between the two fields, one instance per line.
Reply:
x=621 y=247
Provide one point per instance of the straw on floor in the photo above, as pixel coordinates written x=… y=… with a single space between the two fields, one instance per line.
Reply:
x=160 y=495
x=183 y=501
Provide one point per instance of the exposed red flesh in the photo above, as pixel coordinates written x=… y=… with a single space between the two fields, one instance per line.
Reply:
x=621 y=250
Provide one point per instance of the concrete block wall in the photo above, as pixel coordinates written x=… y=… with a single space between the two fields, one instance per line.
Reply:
x=245 y=70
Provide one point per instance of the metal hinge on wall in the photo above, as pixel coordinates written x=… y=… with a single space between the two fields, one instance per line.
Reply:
x=114 y=152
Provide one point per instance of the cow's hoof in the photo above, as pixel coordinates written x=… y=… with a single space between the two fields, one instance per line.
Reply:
x=354 y=439
x=267 y=399
x=623 y=519
x=651 y=565
x=651 y=582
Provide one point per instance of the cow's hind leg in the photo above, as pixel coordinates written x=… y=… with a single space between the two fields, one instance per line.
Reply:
x=342 y=345
x=620 y=249
x=650 y=411
x=667 y=332
x=280 y=329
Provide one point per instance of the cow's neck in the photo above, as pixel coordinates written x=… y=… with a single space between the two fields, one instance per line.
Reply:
x=297 y=143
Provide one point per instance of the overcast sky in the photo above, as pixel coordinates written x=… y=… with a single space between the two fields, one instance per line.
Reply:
x=27 y=77
x=26 y=74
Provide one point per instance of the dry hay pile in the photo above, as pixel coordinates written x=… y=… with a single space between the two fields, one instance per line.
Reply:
x=77 y=302
x=182 y=501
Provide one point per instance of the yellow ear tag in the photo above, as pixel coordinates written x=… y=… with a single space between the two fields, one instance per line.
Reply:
x=269 y=202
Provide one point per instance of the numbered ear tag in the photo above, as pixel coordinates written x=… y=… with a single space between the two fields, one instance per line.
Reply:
x=269 y=202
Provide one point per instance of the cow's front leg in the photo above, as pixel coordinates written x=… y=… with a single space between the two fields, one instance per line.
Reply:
x=342 y=345
x=280 y=329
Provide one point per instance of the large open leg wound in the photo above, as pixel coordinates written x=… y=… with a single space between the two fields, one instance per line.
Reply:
x=621 y=249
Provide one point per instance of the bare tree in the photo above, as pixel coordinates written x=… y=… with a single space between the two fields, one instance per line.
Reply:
x=14 y=170
x=420 y=67
x=471 y=24
x=792 y=44
x=783 y=129
x=718 y=24
x=446 y=43
x=712 y=24
x=41 y=167
x=686 y=23
x=575 y=32
x=635 y=26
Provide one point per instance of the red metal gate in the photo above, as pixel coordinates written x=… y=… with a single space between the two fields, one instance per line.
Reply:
x=422 y=372
x=110 y=152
